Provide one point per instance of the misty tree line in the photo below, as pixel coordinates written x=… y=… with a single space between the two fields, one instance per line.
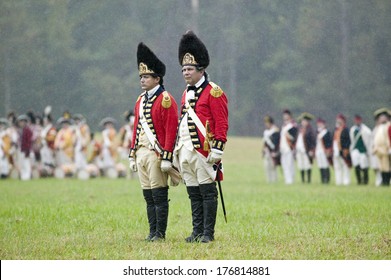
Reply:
x=319 y=56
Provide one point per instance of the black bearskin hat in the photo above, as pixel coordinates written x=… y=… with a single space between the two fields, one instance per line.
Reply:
x=148 y=63
x=192 y=51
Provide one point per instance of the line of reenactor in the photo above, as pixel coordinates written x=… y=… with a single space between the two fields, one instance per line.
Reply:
x=344 y=148
x=33 y=146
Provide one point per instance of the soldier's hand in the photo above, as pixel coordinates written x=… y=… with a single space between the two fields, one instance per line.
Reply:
x=214 y=156
x=165 y=165
x=132 y=164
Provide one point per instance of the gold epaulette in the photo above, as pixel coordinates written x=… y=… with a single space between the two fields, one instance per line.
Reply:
x=139 y=97
x=166 y=101
x=216 y=91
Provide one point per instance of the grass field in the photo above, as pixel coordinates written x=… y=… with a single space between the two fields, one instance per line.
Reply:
x=106 y=219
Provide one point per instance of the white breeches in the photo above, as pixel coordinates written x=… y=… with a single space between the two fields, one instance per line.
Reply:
x=270 y=169
x=321 y=159
x=303 y=161
x=288 y=167
x=359 y=159
x=342 y=171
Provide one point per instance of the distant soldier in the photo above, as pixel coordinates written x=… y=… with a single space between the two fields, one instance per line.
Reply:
x=126 y=134
x=24 y=147
x=373 y=157
x=324 y=150
x=341 y=159
x=202 y=134
x=5 y=147
x=360 y=138
x=109 y=147
x=305 y=146
x=12 y=131
x=82 y=138
x=34 y=123
x=48 y=136
x=151 y=154
x=288 y=138
x=271 y=153
x=382 y=144
x=94 y=152
x=65 y=141
x=95 y=149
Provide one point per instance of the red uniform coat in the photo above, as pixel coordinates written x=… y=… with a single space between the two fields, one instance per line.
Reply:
x=163 y=115
x=26 y=140
x=211 y=105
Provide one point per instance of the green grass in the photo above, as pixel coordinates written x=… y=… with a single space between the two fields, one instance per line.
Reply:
x=106 y=219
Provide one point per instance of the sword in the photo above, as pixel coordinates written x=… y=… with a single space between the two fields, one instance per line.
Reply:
x=221 y=194
x=207 y=145
x=218 y=167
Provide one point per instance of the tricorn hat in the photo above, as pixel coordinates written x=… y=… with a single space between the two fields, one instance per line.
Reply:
x=381 y=111
x=148 y=63
x=62 y=120
x=107 y=120
x=79 y=117
x=4 y=121
x=192 y=51
x=268 y=119
x=66 y=118
x=306 y=116
x=23 y=118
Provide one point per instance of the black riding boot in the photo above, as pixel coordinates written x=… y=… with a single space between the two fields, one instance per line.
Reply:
x=160 y=197
x=366 y=177
x=209 y=197
x=197 y=214
x=386 y=176
x=151 y=214
x=302 y=172
x=327 y=175
x=309 y=176
x=358 y=175
x=323 y=175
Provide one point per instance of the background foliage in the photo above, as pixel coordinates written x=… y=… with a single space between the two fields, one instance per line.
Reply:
x=319 y=56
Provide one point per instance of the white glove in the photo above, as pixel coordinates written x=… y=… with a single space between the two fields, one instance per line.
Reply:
x=165 y=165
x=132 y=164
x=214 y=156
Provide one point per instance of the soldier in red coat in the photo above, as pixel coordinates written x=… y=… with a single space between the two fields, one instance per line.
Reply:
x=25 y=145
x=202 y=134
x=154 y=134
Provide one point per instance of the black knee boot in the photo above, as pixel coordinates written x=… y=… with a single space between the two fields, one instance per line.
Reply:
x=197 y=213
x=386 y=176
x=209 y=197
x=151 y=214
x=323 y=175
x=327 y=175
x=160 y=197
x=358 y=174
x=365 y=177
x=309 y=176
x=302 y=172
